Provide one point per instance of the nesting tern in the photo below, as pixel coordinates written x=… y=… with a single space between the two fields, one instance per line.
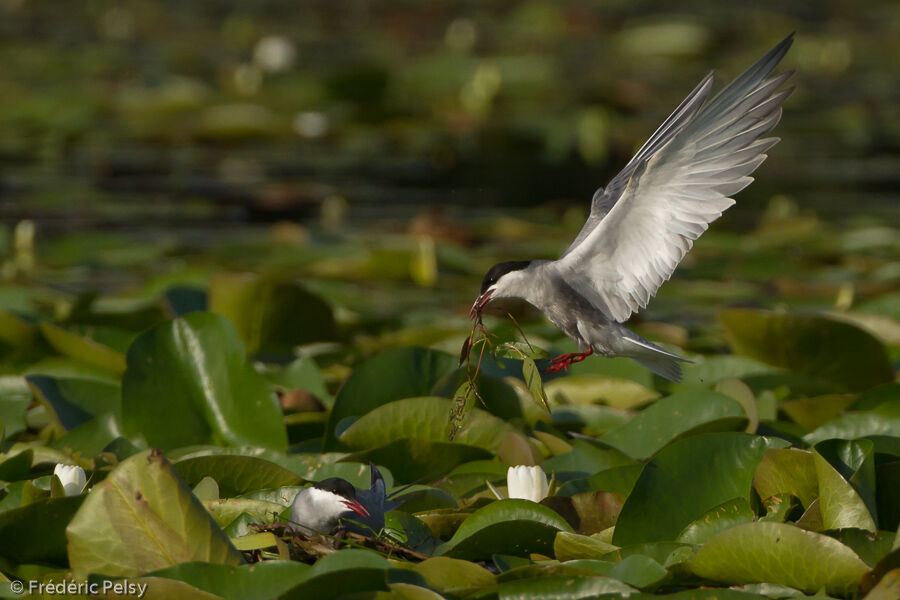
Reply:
x=317 y=509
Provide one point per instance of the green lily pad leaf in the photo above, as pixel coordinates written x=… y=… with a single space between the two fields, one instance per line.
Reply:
x=419 y=460
x=15 y=397
x=811 y=413
x=266 y=579
x=343 y=573
x=870 y=547
x=411 y=532
x=728 y=514
x=282 y=496
x=884 y=420
x=888 y=474
x=561 y=587
x=811 y=345
x=394 y=375
x=741 y=393
x=188 y=383
x=708 y=370
x=423 y=419
x=728 y=594
x=76 y=400
x=672 y=417
x=18 y=333
x=781 y=554
x=356 y=473
x=639 y=571
x=623 y=394
x=517 y=527
x=91 y=438
x=450 y=575
x=644 y=518
x=271 y=317
x=155 y=588
x=226 y=510
x=88 y=347
x=571 y=546
x=662 y=552
x=855 y=461
x=787 y=471
x=584 y=459
x=141 y=518
x=206 y=489
x=588 y=512
x=36 y=532
x=889 y=392
x=839 y=503
x=591 y=419
x=443 y=522
x=236 y=474
x=620 y=480
x=422 y=498
x=17 y=465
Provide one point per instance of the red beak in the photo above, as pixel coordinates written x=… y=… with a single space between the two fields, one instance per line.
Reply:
x=480 y=303
x=356 y=507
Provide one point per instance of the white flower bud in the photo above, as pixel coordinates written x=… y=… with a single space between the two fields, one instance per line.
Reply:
x=529 y=483
x=72 y=478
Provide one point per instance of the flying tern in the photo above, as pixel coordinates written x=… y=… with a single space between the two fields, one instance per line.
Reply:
x=647 y=218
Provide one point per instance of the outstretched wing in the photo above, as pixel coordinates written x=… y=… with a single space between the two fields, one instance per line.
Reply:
x=681 y=180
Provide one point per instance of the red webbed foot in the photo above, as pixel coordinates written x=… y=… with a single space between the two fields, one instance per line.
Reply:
x=562 y=362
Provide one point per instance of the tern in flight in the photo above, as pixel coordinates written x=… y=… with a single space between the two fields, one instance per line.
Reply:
x=645 y=221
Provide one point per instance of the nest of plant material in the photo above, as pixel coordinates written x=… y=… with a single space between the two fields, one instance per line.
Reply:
x=293 y=545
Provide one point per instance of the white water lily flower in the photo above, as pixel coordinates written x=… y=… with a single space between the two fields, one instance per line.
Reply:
x=72 y=478
x=528 y=483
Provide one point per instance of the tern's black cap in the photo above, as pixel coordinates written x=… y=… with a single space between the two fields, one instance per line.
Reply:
x=336 y=485
x=501 y=269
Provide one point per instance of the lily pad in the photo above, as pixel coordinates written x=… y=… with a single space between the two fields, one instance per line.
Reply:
x=781 y=554
x=718 y=467
x=726 y=515
x=423 y=419
x=36 y=532
x=810 y=344
x=673 y=416
x=448 y=575
x=394 y=375
x=787 y=471
x=88 y=347
x=236 y=474
x=188 y=382
x=142 y=518
x=264 y=580
x=271 y=317
x=517 y=527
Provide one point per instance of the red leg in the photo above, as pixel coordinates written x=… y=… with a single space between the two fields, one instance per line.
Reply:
x=562 y=362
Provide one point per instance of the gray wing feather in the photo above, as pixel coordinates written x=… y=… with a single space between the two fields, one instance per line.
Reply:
x=604 y=199
x=679 y=181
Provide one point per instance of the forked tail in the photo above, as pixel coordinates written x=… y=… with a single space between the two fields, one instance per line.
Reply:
x=652 y=357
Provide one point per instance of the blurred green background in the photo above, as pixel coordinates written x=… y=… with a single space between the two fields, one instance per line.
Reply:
x=386 y=153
